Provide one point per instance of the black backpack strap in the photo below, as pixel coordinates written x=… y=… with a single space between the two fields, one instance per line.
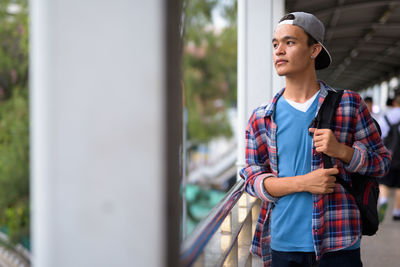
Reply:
x=325 y=119
x=387 y=121
x=378 y=127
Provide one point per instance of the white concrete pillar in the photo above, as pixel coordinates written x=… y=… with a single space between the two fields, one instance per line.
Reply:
x=390 y=92
x=257 y=79
x=261 y=19
x=384 y=94
x=376 y=98
x=98 y=127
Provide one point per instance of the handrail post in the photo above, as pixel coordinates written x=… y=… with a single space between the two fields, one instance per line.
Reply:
x=255 y=211
x=232 y=259
x=224 y=237
x=245 y=235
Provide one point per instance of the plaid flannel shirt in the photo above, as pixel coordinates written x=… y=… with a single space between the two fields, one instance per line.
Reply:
x=335 y=216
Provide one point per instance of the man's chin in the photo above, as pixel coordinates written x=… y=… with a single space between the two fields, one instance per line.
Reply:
x=281 y=73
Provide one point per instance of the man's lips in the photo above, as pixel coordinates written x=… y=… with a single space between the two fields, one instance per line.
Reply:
x=280 y=62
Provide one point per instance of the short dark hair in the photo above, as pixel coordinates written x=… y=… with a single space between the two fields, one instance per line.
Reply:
x=389 y=101
x=368 y=99
x=310 y=39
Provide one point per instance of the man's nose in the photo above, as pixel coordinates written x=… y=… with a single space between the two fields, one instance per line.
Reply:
x=279 y=50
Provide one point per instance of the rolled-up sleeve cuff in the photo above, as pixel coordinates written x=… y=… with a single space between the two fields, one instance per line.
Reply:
x=260 y=189
x=357 y=159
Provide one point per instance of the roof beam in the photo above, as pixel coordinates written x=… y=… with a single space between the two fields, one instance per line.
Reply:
x=352 y=75
x=334 y=20
x=360 y=26
x=379 y=60
x=354 y=52
x=357 y=6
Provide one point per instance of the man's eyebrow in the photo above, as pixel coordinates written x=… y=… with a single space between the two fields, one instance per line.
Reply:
x=285 y=38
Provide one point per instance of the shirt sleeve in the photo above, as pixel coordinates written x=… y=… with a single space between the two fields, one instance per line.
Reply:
x=257 y=167
x=370 y=156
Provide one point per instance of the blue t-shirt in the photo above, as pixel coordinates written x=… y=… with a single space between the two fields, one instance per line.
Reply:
x=291 y=218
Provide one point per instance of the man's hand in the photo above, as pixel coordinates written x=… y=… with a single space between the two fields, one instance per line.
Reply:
x=320 y=181
x=326 y=142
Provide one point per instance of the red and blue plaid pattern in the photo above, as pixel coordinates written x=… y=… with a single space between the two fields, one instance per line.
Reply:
x=336 y=219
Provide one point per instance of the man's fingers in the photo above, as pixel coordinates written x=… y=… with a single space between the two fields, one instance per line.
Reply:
x=332 y=171
x=320 y=149
x=332 y=180
x=315 y=132
x=319 y=140
x=331 y=185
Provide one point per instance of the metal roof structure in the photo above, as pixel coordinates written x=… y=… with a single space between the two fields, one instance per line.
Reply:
x=362 y=36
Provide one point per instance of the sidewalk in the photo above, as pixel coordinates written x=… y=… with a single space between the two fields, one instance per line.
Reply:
x=383 y=249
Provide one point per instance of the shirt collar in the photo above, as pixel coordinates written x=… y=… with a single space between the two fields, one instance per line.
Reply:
x=270 y=108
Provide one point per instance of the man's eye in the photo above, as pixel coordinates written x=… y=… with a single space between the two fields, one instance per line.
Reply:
x=290 y=42
x=274 y=45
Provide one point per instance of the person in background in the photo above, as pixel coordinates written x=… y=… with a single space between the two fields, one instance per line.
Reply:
x=392 y=179
x=368 y=101
x=306 y=219
x=370 y=105
x=389 y=103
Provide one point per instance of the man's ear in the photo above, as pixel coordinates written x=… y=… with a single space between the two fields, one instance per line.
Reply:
x=316 y=49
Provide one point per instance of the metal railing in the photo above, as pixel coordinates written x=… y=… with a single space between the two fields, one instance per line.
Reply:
x=224 y=237
x=17 y=256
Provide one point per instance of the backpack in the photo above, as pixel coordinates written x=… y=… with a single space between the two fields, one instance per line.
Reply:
x=392 y=142
x=364 y=189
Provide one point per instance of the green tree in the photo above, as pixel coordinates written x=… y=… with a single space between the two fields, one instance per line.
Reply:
x=209 y=68
x=13 y=46
x=14 y=120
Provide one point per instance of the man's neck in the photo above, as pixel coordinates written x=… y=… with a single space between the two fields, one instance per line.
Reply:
x=301 y=88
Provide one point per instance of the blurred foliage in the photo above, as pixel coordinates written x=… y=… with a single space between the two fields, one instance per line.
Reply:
x=14 y=120
x=209 y=67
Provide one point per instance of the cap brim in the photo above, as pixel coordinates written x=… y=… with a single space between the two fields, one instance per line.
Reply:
x=323 y=59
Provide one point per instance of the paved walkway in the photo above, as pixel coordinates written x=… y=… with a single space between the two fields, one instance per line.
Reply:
x=383 y=249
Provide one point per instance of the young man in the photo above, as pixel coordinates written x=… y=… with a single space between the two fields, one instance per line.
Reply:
x=306 y=218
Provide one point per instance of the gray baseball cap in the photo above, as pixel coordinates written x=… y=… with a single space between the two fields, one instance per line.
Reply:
x=314 y=27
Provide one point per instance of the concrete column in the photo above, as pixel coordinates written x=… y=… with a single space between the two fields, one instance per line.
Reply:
x=376 y=96
x=384 y=94
x=393 y=85
x=257 y=79
x=262 y=17
x=99 y=129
